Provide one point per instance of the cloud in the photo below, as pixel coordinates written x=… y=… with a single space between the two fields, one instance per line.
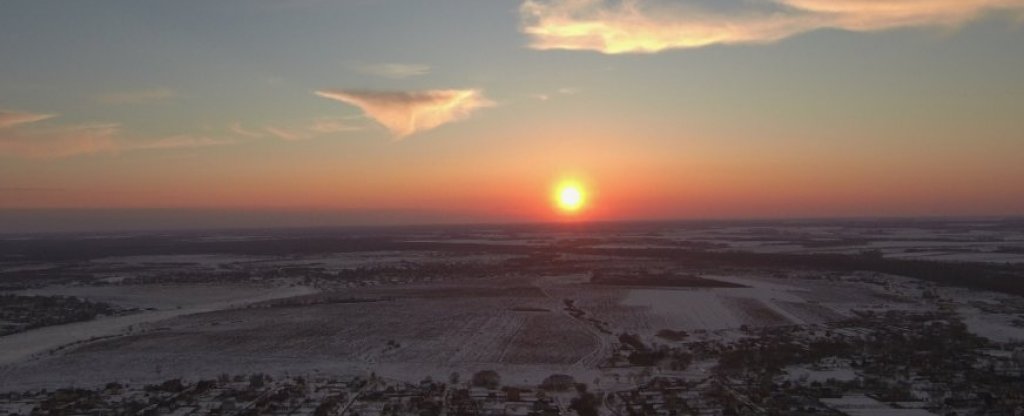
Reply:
x=241 y=131
x=395 y=71
x=636 y=26
x=317 y=127
x=138 y=96
x=85 y=139
x=560 y=91
x=861 y=15
x=14 y=118
x=176 y=142
x=327 y=125
x=59 y=142
x=406 y=113
x=286 y=134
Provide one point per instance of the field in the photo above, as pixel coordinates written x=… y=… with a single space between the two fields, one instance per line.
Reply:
x=417 y=330
x=412 y=305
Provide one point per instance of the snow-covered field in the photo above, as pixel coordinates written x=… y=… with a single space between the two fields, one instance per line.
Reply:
x=165 y=297
x=32 y=344
x=765 y=302
x=526 y=325
x=520 y=326
x=420 y=327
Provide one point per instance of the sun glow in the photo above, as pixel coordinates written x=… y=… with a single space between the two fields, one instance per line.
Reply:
x=569 y=197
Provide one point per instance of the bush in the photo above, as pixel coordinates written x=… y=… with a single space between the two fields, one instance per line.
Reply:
x=487 y=378
x=558 y=382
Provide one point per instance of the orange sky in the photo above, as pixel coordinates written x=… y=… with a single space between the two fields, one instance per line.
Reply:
x=799 y=108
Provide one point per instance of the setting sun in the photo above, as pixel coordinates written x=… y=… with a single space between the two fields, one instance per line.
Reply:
x=570 y=197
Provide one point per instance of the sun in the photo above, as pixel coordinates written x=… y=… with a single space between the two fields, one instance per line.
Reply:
x=570 y=197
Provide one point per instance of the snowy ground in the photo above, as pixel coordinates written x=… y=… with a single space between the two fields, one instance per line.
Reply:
x=518 y=324
x=519 y=327
x=27 y=345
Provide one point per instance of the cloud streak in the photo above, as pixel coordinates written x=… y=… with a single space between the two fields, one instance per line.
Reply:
x=242 y=131
x=175 y=142
x=395 y=71
x=19 y=138
x=636 y=26
x=138 y=96
x=13 y=118
x=286 y=134
x=84 y=139
x=328 y=125
x=317 y=127
x=59 y=142
x=560 y=91
x=410 y=112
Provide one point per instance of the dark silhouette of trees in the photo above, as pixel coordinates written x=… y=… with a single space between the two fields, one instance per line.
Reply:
x=487 y=378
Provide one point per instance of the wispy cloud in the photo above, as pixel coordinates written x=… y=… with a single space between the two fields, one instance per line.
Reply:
x=175 y=142
x=636 y=26
x=65 y=141
x=317 y=127
x=14 y=118
x=409 y=112
x=242 y=131
x=138 y=96
x=327 y=125
x=287 y=134
x=394 y=70
x=58 y=142
x=560 y=91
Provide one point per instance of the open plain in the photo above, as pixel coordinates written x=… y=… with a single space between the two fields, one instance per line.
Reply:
x=614 y=306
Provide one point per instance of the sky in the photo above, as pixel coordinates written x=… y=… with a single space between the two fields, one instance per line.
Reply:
x=306 y=112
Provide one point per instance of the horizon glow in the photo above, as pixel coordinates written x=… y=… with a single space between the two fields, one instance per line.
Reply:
x=667 y=109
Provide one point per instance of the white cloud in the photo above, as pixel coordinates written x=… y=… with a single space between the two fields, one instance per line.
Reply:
x=14 y=118
x=406 y=113
x=395 y=71
x=138 y=96
x=636 y=26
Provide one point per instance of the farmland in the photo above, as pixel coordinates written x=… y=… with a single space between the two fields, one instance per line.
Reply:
x=597 y=309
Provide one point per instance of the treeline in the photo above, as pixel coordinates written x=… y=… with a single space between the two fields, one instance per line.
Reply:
x=22 y=313
x=1005 y=278
x=998 y=277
